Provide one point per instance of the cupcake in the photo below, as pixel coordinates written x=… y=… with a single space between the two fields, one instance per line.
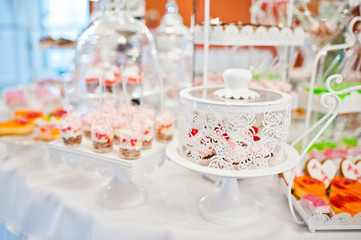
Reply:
x=71 y=129
x=102 y=135
x=130 y=143
x=164 y=127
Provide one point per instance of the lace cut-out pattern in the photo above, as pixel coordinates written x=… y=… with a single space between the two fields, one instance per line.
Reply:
x=232 y=141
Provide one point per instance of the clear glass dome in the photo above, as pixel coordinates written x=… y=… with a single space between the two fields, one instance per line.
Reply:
x=117 y=48
x=171 y=37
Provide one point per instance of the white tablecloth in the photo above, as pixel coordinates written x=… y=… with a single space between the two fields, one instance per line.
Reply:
x=41 y=200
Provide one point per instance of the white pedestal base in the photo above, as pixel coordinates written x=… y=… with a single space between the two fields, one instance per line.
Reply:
x=228 y=207
x=117 y=194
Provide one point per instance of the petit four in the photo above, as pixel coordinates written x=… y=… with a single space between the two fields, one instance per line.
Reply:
x=345 y=202
x=342 y=184
x=16 y=126
x=314 y=204
x=30 y=115
x=307 y=185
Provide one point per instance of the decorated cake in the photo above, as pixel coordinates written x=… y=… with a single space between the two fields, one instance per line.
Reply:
x=233 y=127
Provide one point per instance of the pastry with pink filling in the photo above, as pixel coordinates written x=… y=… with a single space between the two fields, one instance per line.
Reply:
x=130 y=143
x=164 y=125
x=71 y=129
x=102 y=135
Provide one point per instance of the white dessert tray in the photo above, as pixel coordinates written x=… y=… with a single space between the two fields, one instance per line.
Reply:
x=120 y=191
x=228 y=206
x=248 y=36
x=341 y=221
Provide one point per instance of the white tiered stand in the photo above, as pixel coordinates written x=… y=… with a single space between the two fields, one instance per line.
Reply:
x=120 y=191
x=331 y=105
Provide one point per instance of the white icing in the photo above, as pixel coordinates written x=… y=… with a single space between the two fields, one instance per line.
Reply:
x=137 y=146
x=324 y=172
x=149 y=136
x=351 y=170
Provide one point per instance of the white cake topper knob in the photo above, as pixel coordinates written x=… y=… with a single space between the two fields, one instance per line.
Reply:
x=237 y=81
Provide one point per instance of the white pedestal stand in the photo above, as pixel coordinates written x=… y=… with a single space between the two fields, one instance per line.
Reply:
x=117 y=194
x=120 y=191
x=228 y=206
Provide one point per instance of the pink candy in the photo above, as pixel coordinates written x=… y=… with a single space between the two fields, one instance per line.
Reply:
x=315 y=204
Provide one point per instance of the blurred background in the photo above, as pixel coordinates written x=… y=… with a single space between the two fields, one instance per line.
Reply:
x=23 y=23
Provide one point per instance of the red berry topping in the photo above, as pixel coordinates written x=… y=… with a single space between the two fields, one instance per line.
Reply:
x=256 y=138
x=193 y=132
x=68 y=128
x=253 y=130
x=124 y=140
x=146 y=132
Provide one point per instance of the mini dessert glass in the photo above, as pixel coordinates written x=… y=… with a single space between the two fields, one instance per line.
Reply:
x=102 y=135
x=130 y=143
x=71 y=129
x=164 y=126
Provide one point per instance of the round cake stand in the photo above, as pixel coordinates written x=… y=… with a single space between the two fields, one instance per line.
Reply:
x=117 y=194
x=228 y=206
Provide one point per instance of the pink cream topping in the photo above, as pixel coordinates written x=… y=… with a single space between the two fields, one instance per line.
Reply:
x=165 y=120
x=71 y=122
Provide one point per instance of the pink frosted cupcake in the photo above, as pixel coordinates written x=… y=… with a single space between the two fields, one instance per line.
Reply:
x=164 y=125
x=130 y=143
x=102 y=135
x=71 y=129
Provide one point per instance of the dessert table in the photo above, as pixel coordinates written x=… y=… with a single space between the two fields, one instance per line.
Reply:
x=42 y=200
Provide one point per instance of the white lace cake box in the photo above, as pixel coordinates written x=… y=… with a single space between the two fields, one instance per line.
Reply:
x=233 y=128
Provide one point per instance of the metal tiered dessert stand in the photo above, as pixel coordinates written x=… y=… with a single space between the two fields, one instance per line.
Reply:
x=331 y=104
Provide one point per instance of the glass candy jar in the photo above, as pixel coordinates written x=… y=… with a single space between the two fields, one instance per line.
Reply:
x=115 y=47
